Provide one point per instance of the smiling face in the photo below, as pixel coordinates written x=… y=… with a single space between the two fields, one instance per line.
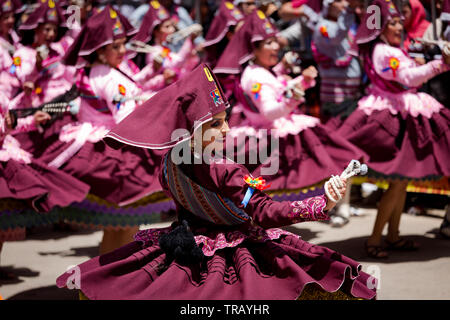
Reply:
x=46 y=33
x=266 y=53
x=113 y=53
x=164 y=29
x=393 y=32
x=6 y=23
x=215 y=131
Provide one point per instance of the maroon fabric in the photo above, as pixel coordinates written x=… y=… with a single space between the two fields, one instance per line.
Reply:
x=256 y=27
x=316 y=5
x=48 y=12
x=407 y=146
x=446 y=7
x=46 y=187
x=7 y=6
x=155 y=15
x=310 y=157
x=367 y=31
x=186 y=104
x=275 y=269
x=117 y=176
x=100 y=29
x=227 y=16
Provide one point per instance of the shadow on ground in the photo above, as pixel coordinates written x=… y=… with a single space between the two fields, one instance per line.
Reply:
x=55 y=232
x=89 y=252
x=19 y=272
x=431 y=248
x=46 y=293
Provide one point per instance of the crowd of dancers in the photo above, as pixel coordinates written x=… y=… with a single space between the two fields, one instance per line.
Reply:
x=98 y=101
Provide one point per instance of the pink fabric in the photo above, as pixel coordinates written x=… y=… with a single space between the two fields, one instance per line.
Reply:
x=54 y=79
x=275 y=110
x=104 y=82
x=181 y=62
x=9 y=84
x=10 y=149
x=221 y=240
x=418 y=23
x=407 y=74
x=9 y=146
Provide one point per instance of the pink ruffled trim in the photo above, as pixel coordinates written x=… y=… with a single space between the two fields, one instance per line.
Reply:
x=92 y=133
x=293 y=124
x=413 y=103
x=11 y=150
x=221 y=240
x=281 y=127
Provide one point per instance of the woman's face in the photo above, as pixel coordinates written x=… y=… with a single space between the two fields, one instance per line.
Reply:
x=266 y=54
x=407 y=14
x=393 y=32
x=113 y=53
x=164 y=29
x=6 y=23
x=336 y=7
x=358 y=8
x=247 y=7
x=215 y=131
x=46 y=33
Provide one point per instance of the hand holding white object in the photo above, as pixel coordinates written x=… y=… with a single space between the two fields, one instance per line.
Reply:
x=335 y=188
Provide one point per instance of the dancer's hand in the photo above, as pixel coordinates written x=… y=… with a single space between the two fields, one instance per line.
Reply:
x=310 y=73
x=341 y=189
x=446 y=54
x=41 y=117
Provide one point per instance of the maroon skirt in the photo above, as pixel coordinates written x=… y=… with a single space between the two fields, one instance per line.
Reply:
x=273 y=270
x=29 y=195
x=402 y=146
x=308 y=158
x=44 y=187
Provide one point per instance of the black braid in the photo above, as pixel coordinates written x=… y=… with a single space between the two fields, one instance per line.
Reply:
x=179 y=245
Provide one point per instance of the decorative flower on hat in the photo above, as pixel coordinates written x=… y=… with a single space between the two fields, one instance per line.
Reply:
x=112 y=14
x=256 y=183
x=7 y=6
x=394 y=64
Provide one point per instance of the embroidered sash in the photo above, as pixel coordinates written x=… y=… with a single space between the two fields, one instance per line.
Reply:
x=201 y=202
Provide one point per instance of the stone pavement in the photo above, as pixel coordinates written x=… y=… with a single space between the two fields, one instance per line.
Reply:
x=423 y=275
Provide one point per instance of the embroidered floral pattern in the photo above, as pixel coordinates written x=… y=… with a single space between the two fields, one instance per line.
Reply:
x=151 y=236
x=310 y=209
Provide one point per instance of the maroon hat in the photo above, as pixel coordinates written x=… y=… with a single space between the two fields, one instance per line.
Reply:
x=227 y=16
x=186 y=104
x=155 y=15
x=101 y=29
x=257 y=27
x=47 y=12
x=8 y=6
x=368 y=30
